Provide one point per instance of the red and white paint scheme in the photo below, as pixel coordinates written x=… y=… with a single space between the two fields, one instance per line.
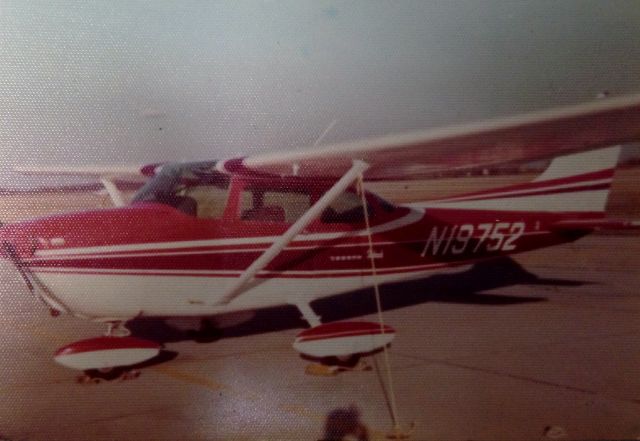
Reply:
x=106 y=352
x=291 y=227
x=339 y=339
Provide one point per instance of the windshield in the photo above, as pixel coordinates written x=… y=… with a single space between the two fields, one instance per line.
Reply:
x=196 y=188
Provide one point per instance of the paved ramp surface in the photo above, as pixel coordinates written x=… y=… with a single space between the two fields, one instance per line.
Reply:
x=549 y=343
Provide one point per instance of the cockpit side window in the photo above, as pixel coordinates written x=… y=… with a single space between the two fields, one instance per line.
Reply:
x=196 y=189
x=383 y=203
x=273 y=205
x=347 y=208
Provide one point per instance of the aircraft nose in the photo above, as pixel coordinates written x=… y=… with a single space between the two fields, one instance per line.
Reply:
x=5 y=242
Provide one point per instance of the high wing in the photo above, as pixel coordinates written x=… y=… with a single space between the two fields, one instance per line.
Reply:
x=421 y=154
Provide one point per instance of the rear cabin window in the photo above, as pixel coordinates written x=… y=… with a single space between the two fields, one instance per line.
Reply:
x=273 y=206
x=210 y=200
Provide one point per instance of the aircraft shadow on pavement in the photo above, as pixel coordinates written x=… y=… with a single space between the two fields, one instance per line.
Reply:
x=464 y=287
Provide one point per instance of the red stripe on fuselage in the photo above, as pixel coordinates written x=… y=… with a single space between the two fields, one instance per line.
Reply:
x=532 y=186
x=534 y=192
x=268 y=275
x=400 y=251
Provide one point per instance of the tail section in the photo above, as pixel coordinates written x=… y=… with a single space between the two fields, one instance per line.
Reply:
x=574 y=183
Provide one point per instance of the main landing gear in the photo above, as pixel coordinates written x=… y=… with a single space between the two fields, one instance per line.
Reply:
x=339 y=346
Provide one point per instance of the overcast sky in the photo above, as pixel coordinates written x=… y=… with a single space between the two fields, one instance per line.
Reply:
x=143 y=81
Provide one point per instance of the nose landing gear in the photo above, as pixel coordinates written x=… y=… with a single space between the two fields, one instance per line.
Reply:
x=110 y=357
x=97 y=376
x=116 y=329
x=331 y=366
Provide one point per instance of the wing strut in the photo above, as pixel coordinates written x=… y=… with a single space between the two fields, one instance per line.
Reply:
x=235 y=289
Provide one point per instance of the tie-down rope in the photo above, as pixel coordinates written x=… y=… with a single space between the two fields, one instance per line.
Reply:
x=376 y=290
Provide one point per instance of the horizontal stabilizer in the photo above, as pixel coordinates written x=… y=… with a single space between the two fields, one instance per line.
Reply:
x=106 y=174
x=92 y=171
x=596 y=224
x=85 y=171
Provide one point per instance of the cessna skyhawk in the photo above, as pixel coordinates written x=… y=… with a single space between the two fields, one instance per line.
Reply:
x=206 y=238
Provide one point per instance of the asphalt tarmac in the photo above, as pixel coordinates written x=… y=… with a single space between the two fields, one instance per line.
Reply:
x=545 y=346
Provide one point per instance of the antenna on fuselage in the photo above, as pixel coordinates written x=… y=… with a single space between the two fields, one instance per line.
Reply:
x=324 y=133
x=296 y=167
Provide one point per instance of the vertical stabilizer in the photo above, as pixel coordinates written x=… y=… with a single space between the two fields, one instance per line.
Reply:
x=581 y=163
x=578 y=182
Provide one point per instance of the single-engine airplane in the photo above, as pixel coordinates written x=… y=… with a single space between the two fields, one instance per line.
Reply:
x=213 y=237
